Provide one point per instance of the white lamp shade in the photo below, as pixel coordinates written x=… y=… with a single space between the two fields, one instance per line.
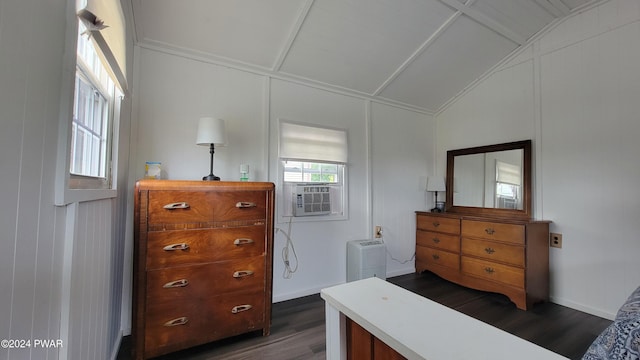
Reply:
x=435 y=183
x=211 y=131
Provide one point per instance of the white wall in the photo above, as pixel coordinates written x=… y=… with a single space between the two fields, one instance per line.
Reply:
x=173 y=91
x=575 y=92
x=402 y=157
x=31 y=227
x=45 y=246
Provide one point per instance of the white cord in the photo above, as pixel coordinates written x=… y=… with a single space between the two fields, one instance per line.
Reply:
x=394 y=259
x=288 y=270
x=400 y=261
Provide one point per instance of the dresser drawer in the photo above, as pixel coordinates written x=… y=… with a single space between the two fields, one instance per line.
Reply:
x=439 y=257
x=171 y=207
x=512 y=233
x=183 y=247
x=512 y=254
x=239 y=205
x=437 y=223
x=438 y=240
x=509 y=275
x=184 y=283
x=169 y=326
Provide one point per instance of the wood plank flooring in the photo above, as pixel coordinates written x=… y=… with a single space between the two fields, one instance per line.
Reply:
x=298 y=330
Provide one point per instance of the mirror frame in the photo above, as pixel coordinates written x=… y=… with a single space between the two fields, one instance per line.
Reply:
x=525 y=213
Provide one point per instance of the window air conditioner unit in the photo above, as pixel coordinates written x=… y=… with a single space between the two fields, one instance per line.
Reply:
x=311 y=200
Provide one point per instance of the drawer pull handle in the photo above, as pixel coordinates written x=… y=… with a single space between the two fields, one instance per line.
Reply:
x=176 y=322
x=435 y=256
x=489 y=270
x=436 y=224
x=436 y=240
x=176 y=284
x=242 y=273
x=174 y=247
x=240 y=308
x=245 y=204
x=489 y=231
x=242 y=241
x=489 y=250
x=177 y=205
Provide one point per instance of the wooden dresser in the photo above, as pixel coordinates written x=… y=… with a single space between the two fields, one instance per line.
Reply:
x=202 y=262
x=505 y=256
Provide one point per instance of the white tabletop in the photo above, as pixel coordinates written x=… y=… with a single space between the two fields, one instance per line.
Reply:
x=419 y=328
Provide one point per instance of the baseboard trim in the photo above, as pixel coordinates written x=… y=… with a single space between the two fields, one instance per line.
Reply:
x=581 y=307
x=316 y=290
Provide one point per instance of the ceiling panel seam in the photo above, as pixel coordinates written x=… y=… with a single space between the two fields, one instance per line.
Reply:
x=497 y=67
x=549 y=7
x=418 y=52
x=561 y=6
x=293 y=34
x=208 y=58
x=486 y=21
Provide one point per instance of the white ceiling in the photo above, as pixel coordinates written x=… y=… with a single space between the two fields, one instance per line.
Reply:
x=415 y=53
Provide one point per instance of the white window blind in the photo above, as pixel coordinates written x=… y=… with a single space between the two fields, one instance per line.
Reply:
x=310 y=143
x=507 y=173
x=105 y=25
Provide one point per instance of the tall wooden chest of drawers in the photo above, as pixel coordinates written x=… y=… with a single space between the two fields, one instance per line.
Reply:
x=505 y=256
x=203 y=258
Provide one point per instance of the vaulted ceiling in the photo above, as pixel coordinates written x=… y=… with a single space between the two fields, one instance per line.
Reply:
x=414 y=53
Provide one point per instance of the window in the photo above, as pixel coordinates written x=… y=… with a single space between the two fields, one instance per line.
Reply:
x=90 y=109
x=91 y=127
x=313 y=171
x=310 y=172
x=508 y=189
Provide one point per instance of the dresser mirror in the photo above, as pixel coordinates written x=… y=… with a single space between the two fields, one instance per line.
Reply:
x=490 y=180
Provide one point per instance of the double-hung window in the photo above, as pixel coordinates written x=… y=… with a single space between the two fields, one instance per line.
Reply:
x=93 y=118
x=313 y=171
x=100 y=84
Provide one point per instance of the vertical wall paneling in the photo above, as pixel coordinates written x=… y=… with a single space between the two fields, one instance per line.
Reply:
x=266 y=126
x=87 y=285
x=401 y=144
x=130 y=179
x=369 y=124
x=31 y=39
x=320 y=245
x=575 y=92
x=60 y=275
x=537 y=171
x=173 y=93
x=67 y=260
x=249 y=102
x=590 y=111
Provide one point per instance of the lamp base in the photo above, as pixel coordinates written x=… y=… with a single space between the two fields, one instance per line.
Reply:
x=439 y=207
x=211 y=177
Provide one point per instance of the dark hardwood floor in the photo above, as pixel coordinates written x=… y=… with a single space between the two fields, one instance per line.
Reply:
x=298 y=330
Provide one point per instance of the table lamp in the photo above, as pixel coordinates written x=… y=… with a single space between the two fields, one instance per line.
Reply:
x=435 y=184
x=211 y=132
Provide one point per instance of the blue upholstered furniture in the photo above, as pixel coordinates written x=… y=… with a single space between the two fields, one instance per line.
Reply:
x=621 y=340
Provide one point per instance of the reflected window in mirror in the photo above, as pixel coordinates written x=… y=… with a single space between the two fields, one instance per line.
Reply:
x=508 y=186
x=490 y=180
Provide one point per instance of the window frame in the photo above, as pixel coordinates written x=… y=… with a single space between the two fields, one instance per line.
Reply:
x=287 y=188
x=82 y=181
x=77 y=188
x=286 y=214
